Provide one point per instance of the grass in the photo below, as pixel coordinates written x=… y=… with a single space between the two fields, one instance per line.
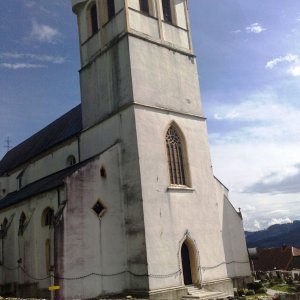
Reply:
x=286 y=288
x=256 y=296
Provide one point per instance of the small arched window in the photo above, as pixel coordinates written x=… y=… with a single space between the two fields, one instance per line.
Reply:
x=175 y=150
x=71 y=160
x=94 y=19
x=167 y=10
x=22 y=221
x=47 y=217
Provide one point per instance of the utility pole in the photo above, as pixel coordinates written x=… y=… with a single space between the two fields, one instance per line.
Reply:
x=7 y=143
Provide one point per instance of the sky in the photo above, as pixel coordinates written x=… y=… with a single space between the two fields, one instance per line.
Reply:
x=248 y=55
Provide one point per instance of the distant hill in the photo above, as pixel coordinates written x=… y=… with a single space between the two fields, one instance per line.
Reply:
x=275 y=236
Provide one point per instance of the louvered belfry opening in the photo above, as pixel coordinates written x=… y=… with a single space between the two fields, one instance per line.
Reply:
x=175 y=157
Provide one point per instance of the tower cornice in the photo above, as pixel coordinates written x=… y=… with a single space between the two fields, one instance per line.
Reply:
x=76 y=4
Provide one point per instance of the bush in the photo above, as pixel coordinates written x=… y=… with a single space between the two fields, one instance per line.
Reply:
x=262 y=290
x=254 y=286
x=250 y=293
x=241 y=292
x=276 y=281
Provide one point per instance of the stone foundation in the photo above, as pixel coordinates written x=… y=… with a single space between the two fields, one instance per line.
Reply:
x=225 y=286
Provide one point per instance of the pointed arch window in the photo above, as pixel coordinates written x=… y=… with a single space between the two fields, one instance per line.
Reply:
x=22 y=224
x=47 y=217
x=94 y=19
x=4 y=227
x=175 y=150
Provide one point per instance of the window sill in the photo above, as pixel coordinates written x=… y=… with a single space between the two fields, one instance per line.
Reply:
x=179 y=188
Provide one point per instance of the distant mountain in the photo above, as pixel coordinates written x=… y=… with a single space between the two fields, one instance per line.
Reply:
x=275 y=236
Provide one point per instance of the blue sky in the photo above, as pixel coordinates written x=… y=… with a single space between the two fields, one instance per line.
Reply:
x=248 y=56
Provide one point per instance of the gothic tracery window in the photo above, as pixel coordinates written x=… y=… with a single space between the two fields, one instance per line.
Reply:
x=175 y=157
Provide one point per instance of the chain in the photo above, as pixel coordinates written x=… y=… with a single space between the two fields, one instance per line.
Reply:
x=119 y=273
x=92 y=274
x=34 y=278
x=8 y=268
x=224 y=263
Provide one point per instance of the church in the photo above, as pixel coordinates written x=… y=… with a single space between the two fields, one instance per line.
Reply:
x=117 y=197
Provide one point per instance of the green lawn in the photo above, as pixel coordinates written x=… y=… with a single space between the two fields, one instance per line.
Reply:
x=286 y=288
x=256 y=296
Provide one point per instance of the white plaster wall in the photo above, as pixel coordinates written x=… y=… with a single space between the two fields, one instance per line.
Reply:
x=113 y=28
x=233 y=239
x=53 y=161
x=158 y=80
x=170 y=213
x=31 y=246
x=106 y=84
x=143 y=24
x=115 y=140
x=90 y=47
x=176 y=36
x=94 y=245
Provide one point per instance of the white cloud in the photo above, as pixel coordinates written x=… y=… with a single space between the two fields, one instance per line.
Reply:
x=257 y=225
x=236 y=31
x=38 y=57
x=44 y=33
x=293 y=61
x=30 y=3
x=295 y=71
x=255 y=28
x=249 y=208
x=288 y=58
x=259 y=141
x=17 y=66
x=280 y=221
x=261 y=117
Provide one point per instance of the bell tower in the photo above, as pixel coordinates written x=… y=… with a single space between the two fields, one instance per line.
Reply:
x=140 y=91
x=130 y=51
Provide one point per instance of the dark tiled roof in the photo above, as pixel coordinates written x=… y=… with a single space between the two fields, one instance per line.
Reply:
x=58 y=131
x=295 y=263
x=43 y=185
x=279 y=258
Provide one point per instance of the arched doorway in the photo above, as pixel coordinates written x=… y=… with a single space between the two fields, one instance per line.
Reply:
x=186 y=264
x=190 y=262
